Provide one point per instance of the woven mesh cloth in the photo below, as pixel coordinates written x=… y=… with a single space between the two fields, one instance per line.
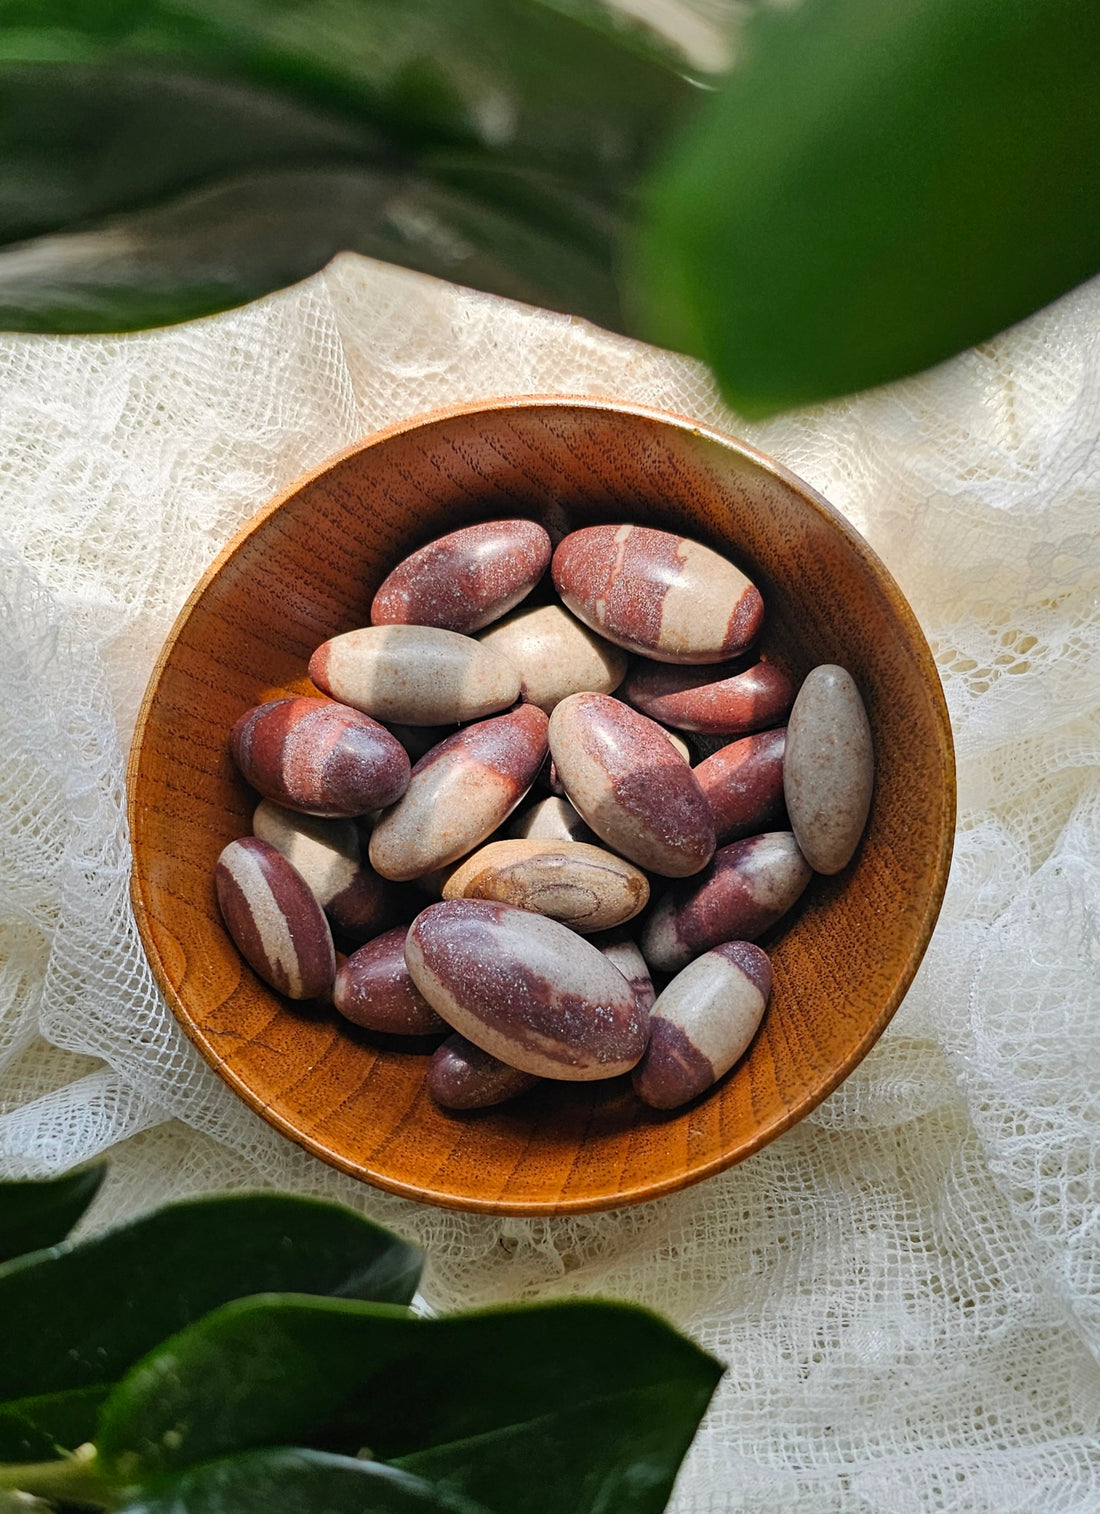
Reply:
x=907 y=1286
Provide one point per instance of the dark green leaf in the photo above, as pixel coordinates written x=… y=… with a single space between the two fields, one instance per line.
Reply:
x=297 y=1482
x=53 y=1421
x=82 y=1314
x=221 y=246
x=471 y=1398
x=878 y=186
x=36 y=1214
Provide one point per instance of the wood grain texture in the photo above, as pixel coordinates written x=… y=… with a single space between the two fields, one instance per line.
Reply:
x=306 y=568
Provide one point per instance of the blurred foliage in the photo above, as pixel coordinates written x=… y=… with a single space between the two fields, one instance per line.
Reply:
x=873 y=187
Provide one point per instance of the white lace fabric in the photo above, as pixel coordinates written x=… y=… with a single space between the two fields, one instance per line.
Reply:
x=906 y=1287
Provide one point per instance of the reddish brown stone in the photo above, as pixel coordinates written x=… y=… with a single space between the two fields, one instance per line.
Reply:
x=274 y=920
x=625 y=779
x=745 y=890
x=462 y=1076
x=692 y=700
x=526 y=989
x=657 y=593
x=743 y=784
x=319 y=757
x=373 y=989
x=466 y=580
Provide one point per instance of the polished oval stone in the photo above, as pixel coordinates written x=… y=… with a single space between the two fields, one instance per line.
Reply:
x=829 y=768
x=373 y=989
x=625 y=780
x=743 y=784
x=415 y=675
x=693 y=700
x=459 y=793
x=465 y=580
x=677 y=743
x=526 y=989
x=585 y=887
x=745 y=890
x=462 y=1076
x=319 y=757
x=556 y=655
x=622 y=950
x=657 y=593
x=274 y=920
x=702 y=1023
x=551 y=819
x=328 y=855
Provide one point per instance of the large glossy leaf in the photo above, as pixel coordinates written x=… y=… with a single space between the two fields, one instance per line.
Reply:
x=220 y=246
x=82 y=1314
x=297 y=1482
x=611 y=1392
x=37 y=1213
x=877 y=187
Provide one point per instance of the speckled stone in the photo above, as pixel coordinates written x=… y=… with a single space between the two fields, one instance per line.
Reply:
x=743 y=784
x=656 y=593
x=585 y=887
x=462 y=1076
x=275 y=922
x=327 y=854
x=702 y=1023
x=677 y=743
x=556 y=655
x=526 y=990
x=748 y=887
x=551 y=820
x=459 y=793
x=829 y=768
x=692 y=699
x=319 y=757
x=625 y=780
x=467 y=579
x=622 y=950
x=373 y=989
x=415 y=675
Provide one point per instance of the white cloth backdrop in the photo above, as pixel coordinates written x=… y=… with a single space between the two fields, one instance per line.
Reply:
x=906 y=1287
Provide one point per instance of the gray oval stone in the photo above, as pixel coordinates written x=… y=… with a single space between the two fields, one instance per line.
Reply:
x=828 y=768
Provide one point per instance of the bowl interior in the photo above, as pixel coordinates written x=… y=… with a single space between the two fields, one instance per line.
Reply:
x=306 y=568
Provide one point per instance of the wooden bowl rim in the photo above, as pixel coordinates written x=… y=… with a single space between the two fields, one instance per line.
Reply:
x=662 y=1186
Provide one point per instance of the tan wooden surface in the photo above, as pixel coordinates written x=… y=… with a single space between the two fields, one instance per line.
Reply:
x=305 y=568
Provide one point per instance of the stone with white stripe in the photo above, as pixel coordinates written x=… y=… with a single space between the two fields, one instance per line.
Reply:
x=274 y=920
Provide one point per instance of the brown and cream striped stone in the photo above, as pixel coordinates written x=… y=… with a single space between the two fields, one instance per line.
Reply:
x=692 y=699
x=462 y=1076
x=459 y=793
x=743 y=784
x=373 y=989
x=748 y=887
x=526 y=989
x=556 y=655
x=327 y=853
x=465 y=580
x=656 y=593
x=625 y=780
x=622 y=950
x=274 y=920
x=702 y=1023
x=585 y=887
x=829 y=768
x=319 y=757
x=415 y=675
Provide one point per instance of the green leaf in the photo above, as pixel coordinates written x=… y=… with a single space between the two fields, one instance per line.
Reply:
x=877 y=187
x=611 y=1393
x=82 y=1314
x=297 y=1482
x=49 y=1423
x=37 y=1213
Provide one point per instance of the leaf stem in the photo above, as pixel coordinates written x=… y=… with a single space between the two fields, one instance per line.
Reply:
x=72 y=1478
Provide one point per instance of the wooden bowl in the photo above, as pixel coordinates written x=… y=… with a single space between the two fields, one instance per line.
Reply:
x=306 y=568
